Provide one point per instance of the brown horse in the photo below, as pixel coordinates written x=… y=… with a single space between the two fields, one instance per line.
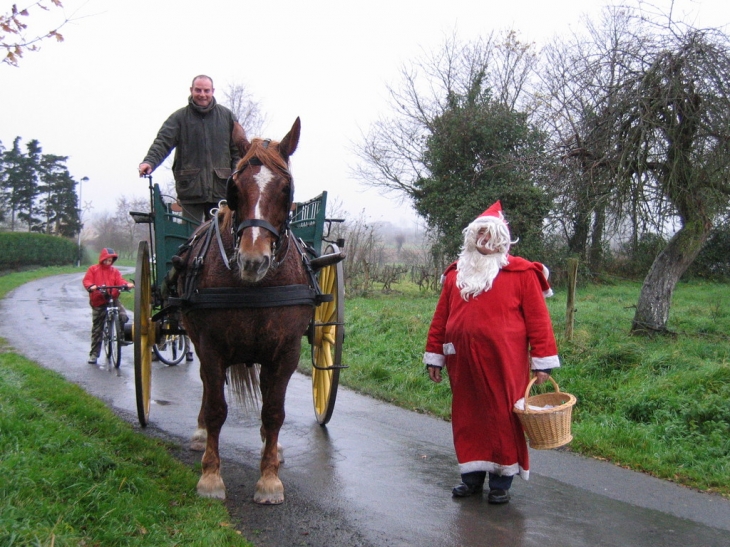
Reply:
x=247 y=302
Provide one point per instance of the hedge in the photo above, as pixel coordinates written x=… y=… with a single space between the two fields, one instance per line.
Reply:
x=22 y=249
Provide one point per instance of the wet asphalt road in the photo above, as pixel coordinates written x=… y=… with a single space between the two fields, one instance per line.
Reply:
x=377 y=475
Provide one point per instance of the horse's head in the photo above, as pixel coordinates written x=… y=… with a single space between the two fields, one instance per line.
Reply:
x=260 y=195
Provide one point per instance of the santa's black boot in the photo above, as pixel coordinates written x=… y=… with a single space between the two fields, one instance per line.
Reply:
x=499 y=486
x=471 y=483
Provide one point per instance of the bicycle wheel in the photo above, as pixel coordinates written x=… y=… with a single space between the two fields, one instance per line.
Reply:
x=115 y=339
x=106 y=337
x=172 y=349
x=329 y=332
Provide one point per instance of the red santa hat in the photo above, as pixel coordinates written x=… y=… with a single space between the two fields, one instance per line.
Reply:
x=494 y=210
x=493 y=214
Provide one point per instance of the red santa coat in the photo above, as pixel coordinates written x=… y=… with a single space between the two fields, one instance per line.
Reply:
x=485 y=343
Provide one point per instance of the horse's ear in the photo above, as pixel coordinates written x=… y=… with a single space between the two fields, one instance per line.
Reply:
x=232 y=193
x=239 y=139
x=288 y=144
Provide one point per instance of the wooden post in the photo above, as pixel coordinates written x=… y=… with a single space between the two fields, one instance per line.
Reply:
x=570 y=305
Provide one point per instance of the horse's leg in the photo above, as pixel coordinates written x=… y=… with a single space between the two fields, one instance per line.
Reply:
x=197 y=442
x=269 y=488
x=279 y=448
x=215 y=411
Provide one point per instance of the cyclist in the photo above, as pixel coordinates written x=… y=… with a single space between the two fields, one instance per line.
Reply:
x=103 y=274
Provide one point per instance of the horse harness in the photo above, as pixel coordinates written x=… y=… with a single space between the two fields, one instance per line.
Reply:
x=239 y=297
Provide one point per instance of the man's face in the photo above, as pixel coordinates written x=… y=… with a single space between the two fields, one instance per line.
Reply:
x=202 y=92
x=107 y=261
x=483 y=238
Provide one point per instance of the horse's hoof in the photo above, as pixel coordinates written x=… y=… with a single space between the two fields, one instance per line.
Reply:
x=211 y=486
x=269 y=492
x=268 y=500
x=197 y=442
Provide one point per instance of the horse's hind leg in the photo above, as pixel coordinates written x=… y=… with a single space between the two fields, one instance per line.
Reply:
x=215 y=411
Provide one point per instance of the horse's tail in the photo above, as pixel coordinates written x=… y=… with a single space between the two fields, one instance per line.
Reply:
x=244 y=384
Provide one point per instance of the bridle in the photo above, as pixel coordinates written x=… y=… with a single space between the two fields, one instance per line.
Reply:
x=282 y=233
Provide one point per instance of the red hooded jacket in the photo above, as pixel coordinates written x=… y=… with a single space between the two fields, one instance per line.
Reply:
x=100 y=274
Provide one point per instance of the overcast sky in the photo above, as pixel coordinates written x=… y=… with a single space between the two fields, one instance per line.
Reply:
x=125 y=65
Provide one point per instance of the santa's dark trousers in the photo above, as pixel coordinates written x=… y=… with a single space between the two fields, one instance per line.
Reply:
x=475 y=479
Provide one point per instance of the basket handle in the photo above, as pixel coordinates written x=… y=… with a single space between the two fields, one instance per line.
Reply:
x=529 y=387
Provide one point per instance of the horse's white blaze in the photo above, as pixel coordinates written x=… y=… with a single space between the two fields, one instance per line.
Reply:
x=262 y=178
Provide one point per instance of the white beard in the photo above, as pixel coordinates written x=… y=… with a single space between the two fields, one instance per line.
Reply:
x=476 y=272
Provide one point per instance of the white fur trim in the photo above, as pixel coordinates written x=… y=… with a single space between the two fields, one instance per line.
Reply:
x=434 y=359
x=449 y=349
x=548 y=293
x=542 y=363
x=491 y=467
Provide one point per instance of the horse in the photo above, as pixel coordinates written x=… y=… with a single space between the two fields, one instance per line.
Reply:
x=247 y=303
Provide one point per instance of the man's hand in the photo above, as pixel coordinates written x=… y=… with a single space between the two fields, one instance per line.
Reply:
x=435 y=374
x=144 y=169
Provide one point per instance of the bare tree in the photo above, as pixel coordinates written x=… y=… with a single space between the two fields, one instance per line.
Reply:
x=13 y=31
x=119 y=230
x=248 y=111
x=642 y=117
x=391 y=153
x=131 y=233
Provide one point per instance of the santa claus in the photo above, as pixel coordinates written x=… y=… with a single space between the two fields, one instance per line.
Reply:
x=490 y=327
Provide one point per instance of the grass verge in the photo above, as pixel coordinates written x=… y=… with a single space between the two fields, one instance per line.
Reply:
x=75 y=474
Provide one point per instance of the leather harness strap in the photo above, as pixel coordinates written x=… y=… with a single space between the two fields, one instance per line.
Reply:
x=248 y=297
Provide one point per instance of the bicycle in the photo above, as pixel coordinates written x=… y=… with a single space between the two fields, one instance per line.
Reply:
x=113 y=333
x=172 y=348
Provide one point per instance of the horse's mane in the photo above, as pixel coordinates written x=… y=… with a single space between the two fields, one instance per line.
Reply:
x=267 y=152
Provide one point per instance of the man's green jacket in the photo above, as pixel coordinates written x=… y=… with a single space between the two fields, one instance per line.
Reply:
x=205 y=154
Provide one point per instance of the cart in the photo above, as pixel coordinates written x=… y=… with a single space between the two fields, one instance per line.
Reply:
x=156 y=323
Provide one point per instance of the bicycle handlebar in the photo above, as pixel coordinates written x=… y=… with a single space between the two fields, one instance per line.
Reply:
x=105 y=288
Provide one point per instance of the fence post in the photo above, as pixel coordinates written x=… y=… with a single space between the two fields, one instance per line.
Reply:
x=570 y=305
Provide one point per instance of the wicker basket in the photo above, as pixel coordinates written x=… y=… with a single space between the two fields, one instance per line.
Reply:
x=549 y=428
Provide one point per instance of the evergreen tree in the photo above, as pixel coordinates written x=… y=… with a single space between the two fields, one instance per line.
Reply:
x=3 y=177
x=58 y=199
x=37 y=192
x=476 y=155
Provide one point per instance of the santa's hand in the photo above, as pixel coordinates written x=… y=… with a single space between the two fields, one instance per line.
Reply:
x=434 y=373
x=541 y=377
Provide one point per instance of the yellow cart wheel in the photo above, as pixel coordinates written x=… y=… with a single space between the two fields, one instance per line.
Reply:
x=329 y=333
x=144 y=333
